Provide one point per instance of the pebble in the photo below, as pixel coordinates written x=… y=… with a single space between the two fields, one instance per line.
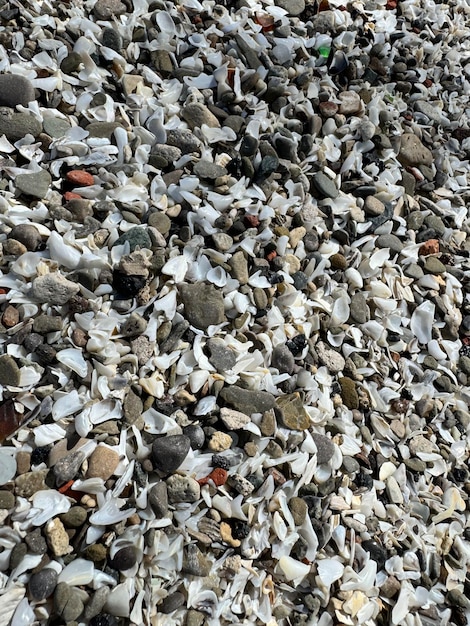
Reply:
x=27 y=234
x=220 y=441
x=333 y=360
x=194 y=562
x=325 y=185
x=68 y=467
x=54 y=289
x=35 y=185
x=171 y=603
x=292 y=412
x=283 y=360
x=247 y=401
x=79 y=178
x=221 y=357
x=57 y=538
x=15 y=126
x=158 y=499
x=348 y=392
x=293 y=7
x=28 y=484
x=197 y=115
x=234 y=420
x=7 y=500
x=107 y=9
x=432 y=265
x=42 y=584
x=325 y=448
x=203 y=304
x=182 y=489
x=413 y=152
x=75 y=517
x=102 y=463
x=125 y=558
x=390 y=241
x=169 y=452
x=298 y=508
x=9 y=371
x=10 y=317
x=373 y=206
x=359 y=309
x=67 y=602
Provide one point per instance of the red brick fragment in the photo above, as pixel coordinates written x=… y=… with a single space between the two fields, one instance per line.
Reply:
x=218 y=476
x=80 y=178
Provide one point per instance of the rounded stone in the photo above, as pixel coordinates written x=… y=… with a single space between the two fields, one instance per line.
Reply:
x=124 y=559
x=158 y=499
x=27 y=234
x=102 y=463
x=169 y=452
x=196 y=435
x=75 y=517
x=15 y=89
x=67 y=602
x=42 y=584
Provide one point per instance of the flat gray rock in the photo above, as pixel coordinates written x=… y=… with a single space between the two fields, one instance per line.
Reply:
x=35 y=185
x=247 y=401
x=15 y=125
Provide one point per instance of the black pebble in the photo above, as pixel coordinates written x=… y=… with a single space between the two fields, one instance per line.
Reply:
x=40 y=455
x=124 y=559
x=128 y=285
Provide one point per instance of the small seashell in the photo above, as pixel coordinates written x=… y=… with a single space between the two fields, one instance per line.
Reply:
x=73 y=359
x=293 y=570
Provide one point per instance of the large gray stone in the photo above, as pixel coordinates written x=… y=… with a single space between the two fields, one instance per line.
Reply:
x=203 y=305
x=15 y=89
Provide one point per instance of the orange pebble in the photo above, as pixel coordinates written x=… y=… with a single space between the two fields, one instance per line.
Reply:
x=70 y=195
x=218 y=476
x=429 y=247
x=80 y=178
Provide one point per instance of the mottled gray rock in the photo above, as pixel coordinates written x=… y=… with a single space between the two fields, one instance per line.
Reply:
x=325 y=448
x=283 y=359
x=203 y=304
x=247 y=401
x=182 y=489
x=53 y=289
x=359 y=310
x=194 y=562
x=413 y=153
x=42 y=584
x=221 y=357
x=67 y=602
x=197 y=114
x=158 y=499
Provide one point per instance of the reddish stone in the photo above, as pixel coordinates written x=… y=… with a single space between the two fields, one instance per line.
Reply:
x=265 y=21
x=391 y=5
x=218 y=476
x=67 y=490
x=70 y=195
x=328 y=109
x=10 y=420
x=271 y=255
x=252 y=221
x=429 y=247
x=11 y=317
x=427 y=83
x=80 y=178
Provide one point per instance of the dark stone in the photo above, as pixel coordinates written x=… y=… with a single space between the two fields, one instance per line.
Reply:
x=247 y=401
x=124 y=559
x=128 y=285
x=171 y=603
x=169 y=452
x=42 y=584
x=196 y=435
